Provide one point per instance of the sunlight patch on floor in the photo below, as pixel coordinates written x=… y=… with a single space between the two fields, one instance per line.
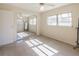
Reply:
x=22 y=35
x=46 y=51
x=38 y=51
x=29 y=43
x=33 y=42
x=40 y=48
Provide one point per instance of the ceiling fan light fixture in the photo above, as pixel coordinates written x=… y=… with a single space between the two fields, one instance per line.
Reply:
x=41 y=6
x=41 y=3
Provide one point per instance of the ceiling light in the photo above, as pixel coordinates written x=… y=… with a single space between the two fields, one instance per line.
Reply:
x=41 y=6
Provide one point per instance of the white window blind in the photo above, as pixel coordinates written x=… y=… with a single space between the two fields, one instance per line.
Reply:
x=52 y=20
x=65 y=19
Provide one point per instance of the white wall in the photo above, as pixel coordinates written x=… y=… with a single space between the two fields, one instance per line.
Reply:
x=7 y=27
x=38 y=24
x=65 y=34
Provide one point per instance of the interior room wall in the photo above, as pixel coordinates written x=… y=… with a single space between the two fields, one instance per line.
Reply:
x=7 y=27
x=38 y=23
x=61 y=33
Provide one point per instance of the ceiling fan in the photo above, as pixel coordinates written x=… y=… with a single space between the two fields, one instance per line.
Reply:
x=42 y=6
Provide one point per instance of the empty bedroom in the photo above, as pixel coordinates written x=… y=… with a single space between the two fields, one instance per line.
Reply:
x=39 y=29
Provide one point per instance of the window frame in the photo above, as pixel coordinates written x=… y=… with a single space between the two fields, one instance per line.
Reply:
x=57 y=20
x=63 y=17
x=52 y=22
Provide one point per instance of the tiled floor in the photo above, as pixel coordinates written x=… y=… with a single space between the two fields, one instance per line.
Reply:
x=32 y=45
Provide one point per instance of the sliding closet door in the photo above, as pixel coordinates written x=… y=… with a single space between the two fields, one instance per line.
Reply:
x=32 y=24
x=20 y=25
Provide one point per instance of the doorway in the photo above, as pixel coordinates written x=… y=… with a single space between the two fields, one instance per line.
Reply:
x=25 y=25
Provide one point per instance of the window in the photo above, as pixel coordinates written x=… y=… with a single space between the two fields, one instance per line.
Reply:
x=32 y=21
x=65 y=19
x=52 y=20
